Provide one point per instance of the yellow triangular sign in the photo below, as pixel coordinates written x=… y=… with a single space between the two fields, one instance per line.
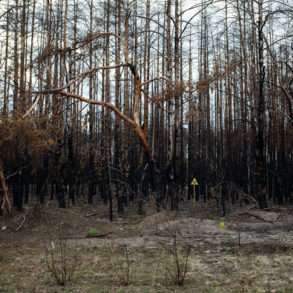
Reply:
x=194 y=182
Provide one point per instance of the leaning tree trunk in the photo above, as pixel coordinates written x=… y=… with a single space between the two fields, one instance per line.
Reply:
x=5 y=205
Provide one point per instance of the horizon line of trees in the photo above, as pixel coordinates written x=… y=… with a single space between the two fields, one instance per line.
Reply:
x=120 y=98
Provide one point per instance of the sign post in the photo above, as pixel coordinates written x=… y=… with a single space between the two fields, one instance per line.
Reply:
x=194 y=183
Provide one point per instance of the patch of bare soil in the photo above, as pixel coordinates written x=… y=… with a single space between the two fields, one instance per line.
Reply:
x=40 y=223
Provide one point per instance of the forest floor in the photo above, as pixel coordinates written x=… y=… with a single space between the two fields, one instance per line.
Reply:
x=248 y=251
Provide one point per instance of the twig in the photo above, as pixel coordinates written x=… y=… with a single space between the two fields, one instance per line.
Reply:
x=257 y=217
x=86 y=237
x=91 y=214
x=21 y=224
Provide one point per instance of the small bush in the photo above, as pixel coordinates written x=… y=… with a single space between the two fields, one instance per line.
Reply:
x=121 y=265
x=92 y=232
x=176 y=261
x=61 y=261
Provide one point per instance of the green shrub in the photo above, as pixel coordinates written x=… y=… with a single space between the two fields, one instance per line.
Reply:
x=92 y=232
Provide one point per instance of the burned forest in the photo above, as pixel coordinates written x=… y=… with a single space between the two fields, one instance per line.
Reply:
x=146 y=146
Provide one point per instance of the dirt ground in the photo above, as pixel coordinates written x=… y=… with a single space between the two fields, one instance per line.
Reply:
x=248 y=251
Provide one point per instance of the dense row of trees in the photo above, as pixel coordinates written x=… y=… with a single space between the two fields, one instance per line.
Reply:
x=119 y=98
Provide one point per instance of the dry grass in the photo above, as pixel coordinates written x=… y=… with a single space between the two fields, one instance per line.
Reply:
x=214 y=265
x=212 y=270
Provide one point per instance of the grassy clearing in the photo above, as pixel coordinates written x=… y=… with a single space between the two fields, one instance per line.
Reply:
x=261 y=264
x=99 y=268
